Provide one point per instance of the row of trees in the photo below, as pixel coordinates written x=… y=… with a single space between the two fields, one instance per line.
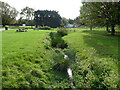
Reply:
x=8 y=15
x=100 y=14
x=31 y=17
x=28 y=16
x=75 y=21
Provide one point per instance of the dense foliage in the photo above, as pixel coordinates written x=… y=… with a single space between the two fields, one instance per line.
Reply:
x=27 y=16
x=27 y=13
x=101 y=14
x=47 y=18
x=62 y=32
x=57 y=41
x=8 y=14
x=44 y=28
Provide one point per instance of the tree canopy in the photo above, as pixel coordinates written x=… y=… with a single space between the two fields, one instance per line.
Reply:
x=26 y=16
x=47 y=18
x=95 y=14
x=64 y=21
x=27 y=13
x=8 y=14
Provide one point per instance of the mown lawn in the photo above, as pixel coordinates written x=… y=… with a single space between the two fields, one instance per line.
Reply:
x=26 y=63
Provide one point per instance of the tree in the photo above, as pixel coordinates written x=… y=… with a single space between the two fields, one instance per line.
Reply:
x=77 y=20
x=87 y=15
x=27 y=13
x=26 y=16
x=47 y=18
x=70 y=21
x=25 y=21
x=64 y=21
x=8 y=14
x=100 y=14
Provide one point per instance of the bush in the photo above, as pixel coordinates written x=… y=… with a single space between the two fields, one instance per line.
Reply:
x=13 y=27
x=26 y=27
x=37 y=73
x=40 y=27
x=94 y=73
x=71 y=54
x=62 y=32
x=61 y=63
x=45 y=28
x=57 y=41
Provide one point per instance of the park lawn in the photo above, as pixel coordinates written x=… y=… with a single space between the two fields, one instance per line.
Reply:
x=23 y=56
x=97 y=54
x=26 y=63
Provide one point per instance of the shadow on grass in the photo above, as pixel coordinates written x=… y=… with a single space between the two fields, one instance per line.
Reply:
x=103 y=43
x=103 y=33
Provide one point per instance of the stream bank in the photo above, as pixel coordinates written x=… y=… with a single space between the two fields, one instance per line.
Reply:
x=65 y=56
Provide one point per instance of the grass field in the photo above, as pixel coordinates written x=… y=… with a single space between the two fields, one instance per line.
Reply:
x=26 y=63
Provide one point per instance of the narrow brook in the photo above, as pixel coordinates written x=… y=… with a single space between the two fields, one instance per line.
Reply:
x=69 y=71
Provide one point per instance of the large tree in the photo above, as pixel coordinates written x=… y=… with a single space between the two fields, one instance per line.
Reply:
x=70 y=21
x=100 y=14
x=8 y=14
x=26 y=16
x=47 y=18
x=64 y=21
x=77 y=20
x=27 y=13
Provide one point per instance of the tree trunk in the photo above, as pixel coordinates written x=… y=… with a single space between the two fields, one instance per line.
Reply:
x=91 y=28
x=113 y=30
x=36 y=26
x=107 y=29
x=43 y=24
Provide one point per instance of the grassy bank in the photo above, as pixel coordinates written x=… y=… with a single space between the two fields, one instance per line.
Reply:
x=28 y=64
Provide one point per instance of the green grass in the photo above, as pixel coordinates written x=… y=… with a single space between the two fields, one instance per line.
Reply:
x=99 y=51
x=26 y=63
x=22 y=54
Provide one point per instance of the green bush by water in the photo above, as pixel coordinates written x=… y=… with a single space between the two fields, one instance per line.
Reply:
x=62 y=32
x=57 y=41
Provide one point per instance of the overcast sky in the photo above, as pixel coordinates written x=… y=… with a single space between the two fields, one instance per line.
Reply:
x=66 y=8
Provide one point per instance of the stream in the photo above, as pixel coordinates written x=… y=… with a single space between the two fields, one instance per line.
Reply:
x=69 y=71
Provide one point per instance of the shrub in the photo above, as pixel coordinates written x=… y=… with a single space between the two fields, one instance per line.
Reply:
x=61 y=63
x=62 y=32
x=45 y=28
x=40 y=27
x=57 y=41
x=13 y=27
x=94 y=73
x=26 y=27
x=71 y=54
x=37 y=73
